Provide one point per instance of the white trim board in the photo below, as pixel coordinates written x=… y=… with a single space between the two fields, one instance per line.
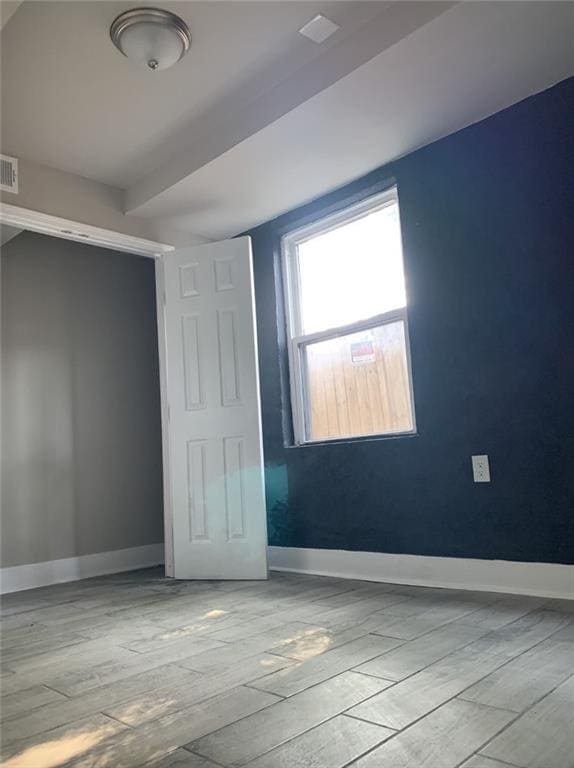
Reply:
x=33 y=575
x=520 y=578
x=46 y=224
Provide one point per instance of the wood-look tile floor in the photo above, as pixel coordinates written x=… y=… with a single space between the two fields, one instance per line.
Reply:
x=138 y=670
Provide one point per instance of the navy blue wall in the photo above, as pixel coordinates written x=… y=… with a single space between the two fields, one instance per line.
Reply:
x=488 y=218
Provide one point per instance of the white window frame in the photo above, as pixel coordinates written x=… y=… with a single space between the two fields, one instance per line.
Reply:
x=297 y=341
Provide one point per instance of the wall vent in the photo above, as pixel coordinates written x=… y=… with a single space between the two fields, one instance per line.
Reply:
x=9 y=174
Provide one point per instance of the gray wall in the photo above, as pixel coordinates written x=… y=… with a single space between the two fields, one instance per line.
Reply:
x=81 y=463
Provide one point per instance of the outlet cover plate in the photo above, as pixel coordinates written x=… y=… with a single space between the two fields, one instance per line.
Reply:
x=480 y=469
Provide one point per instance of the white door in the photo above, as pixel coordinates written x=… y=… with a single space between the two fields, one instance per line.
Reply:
x=212 y=425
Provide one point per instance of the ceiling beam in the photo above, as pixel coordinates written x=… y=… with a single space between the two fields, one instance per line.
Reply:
x=214 y=138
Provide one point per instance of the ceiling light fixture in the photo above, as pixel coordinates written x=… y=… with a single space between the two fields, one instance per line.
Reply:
x=151 y=37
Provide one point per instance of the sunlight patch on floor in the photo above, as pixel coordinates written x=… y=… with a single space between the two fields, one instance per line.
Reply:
x=214 y=614
x=51 y=754
x=306 y=644
x=139 y=711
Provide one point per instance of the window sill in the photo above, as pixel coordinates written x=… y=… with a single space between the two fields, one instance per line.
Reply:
x=349 y=440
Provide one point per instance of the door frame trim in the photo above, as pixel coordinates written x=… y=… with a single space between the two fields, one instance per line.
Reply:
x=166 y=475
x=55 y=226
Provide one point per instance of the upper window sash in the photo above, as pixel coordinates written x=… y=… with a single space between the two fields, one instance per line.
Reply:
x=293 y=239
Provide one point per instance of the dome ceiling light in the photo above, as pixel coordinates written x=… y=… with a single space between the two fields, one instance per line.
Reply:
x=151 y=37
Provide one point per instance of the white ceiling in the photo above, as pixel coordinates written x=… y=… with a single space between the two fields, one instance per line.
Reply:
x=257 y=119
x=72 y=101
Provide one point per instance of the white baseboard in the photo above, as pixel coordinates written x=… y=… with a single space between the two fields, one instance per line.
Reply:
x=34 y=575
x=539 y=579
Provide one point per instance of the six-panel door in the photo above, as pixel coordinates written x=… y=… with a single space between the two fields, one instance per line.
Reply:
x=214 y=424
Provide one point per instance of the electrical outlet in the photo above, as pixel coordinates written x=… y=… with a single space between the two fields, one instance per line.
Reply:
x=480 y=469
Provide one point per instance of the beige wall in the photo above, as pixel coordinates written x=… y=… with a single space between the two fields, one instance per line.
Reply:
x=84 y=201
x=66 y=195
x=81 y=464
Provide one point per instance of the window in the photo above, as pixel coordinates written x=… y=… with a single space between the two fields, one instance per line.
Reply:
x=347 y=324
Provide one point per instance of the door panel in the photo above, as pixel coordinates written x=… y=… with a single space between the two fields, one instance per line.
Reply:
x=214 y=425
